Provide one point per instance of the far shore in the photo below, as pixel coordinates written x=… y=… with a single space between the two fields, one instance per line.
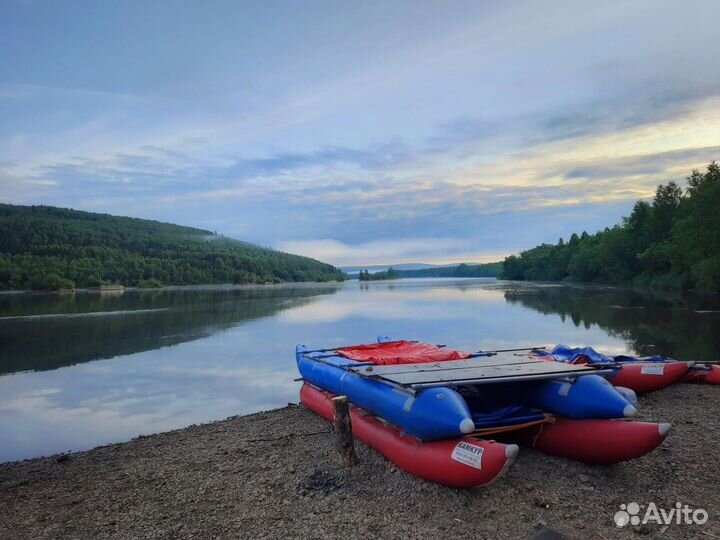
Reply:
x=92 y=290
x=275 y=474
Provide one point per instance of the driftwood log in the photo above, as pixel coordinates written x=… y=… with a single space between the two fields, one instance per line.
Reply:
x=343 y=431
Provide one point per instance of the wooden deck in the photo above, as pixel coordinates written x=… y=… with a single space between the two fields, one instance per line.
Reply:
x=485 y=370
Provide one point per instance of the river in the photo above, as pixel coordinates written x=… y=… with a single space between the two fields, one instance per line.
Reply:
x=77 y=371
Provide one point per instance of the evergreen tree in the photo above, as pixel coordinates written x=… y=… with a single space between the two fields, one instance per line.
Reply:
x=674 y=242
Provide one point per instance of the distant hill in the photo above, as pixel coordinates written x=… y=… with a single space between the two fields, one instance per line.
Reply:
x=383 y=267
x=456 y=270
x=44 y=247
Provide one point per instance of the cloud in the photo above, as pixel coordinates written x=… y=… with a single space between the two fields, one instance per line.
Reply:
x=642 y=165
x=381 y=156
x=373 y=251
x=20 y=190
x=41 y=91
x=480 y=125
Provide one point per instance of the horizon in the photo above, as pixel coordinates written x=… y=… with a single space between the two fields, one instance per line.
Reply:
x=358 y=134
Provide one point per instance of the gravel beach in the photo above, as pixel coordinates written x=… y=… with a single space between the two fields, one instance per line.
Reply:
x=275 y=475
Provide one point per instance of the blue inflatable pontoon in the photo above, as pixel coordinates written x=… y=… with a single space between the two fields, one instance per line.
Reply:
x=436 y=399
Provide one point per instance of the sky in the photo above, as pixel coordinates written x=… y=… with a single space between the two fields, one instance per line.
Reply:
x=358 y=132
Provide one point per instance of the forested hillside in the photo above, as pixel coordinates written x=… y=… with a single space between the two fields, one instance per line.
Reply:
x=673 y=241
x=44 y=247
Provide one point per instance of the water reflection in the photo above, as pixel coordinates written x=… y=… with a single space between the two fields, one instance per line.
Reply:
x=681 y=325
x=41 y=332
x=110 y=368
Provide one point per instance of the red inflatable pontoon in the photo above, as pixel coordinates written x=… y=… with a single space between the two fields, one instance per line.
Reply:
x=646 y=377
x=703 y=373
x=461 y=462
x=593 y=441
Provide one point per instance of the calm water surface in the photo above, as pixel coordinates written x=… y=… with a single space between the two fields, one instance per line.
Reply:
x=83 y=370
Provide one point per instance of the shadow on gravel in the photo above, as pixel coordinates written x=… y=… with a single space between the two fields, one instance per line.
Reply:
x=322 y=482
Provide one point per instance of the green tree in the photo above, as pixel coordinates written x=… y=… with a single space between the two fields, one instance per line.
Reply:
x=90 y=249
x=675 y=241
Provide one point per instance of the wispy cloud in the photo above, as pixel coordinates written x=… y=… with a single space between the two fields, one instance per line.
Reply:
x=409 y=249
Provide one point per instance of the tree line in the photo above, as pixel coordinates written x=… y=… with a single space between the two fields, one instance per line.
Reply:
x=673 y=241
x=390 y=273
x=458 y=270
x=43 y=247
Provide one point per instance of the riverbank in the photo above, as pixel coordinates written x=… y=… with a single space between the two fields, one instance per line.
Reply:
x=94 y=290
x=274 y=475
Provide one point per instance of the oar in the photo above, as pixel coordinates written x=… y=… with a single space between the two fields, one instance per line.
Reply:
x=493 y=353
x=322 y=360
x=512 y=350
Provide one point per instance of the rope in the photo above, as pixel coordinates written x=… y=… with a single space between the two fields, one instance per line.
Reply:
x=546 y=419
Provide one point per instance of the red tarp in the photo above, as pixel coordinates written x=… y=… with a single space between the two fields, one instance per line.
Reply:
x=400 y=352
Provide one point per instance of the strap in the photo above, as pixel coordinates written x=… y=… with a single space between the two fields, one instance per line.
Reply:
x=546 y=419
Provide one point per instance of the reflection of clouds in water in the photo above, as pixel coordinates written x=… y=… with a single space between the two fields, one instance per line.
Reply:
x=401 y=303
x=250 y=366
x=28 y=401
x=260 y=378
x=114 y=400
x=469 y=315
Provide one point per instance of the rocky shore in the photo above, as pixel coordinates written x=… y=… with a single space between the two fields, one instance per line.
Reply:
x=275 y=475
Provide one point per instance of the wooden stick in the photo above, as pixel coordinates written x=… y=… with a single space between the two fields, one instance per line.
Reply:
x=343 y=431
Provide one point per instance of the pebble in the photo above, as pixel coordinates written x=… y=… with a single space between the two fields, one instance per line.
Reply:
x=151 y=487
